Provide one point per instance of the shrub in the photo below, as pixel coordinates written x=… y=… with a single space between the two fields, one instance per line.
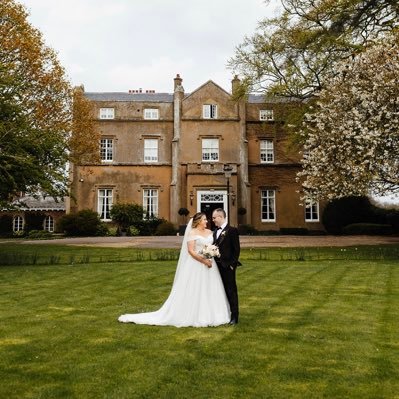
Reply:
x=133 y=231
x=165 y=229
x=341 y=212
x=34 y=221
x=148 y=227
x=246 y=230
x=126 y=215
x=40 y=234
x=367 y=229
x=5 y=225
x=298 y=231
x=84 y=223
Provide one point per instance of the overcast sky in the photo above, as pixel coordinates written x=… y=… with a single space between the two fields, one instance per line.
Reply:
x=130 y=44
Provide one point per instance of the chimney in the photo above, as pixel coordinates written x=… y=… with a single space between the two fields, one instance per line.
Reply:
x=235 y=84
x=178 y=81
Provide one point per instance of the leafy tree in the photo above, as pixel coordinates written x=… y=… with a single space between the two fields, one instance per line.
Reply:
x=352 y=139
x=36 y=123
x=295 y=53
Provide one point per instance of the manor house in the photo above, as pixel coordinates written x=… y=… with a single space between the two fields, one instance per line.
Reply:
x=199 y=151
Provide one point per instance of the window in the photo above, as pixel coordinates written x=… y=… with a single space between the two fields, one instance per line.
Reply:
x=106 y=150
x=268 y=198
x=49 y=224
x=266 y=151
x=150 y=203
x=105 y=196
x=107 y=113
x=311 y=211
x=210 y=150
x=150 y=150
x=18 y=223
x=266 y=115
x=209 y=111
x=151 y=113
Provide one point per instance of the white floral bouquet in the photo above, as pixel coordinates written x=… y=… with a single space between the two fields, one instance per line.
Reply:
x=209 y=251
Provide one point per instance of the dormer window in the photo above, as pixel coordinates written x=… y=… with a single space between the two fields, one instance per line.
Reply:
x=266 y=115
x=210 y=111
x=151 y=113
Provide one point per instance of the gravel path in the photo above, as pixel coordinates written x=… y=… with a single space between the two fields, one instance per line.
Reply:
x=246 y=241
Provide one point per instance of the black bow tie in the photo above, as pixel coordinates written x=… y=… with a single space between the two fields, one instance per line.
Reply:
x=219 y=228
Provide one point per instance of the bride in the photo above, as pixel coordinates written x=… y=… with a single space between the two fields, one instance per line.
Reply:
x=197 y=298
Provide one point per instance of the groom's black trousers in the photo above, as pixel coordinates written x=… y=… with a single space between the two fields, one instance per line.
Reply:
x=230 y=286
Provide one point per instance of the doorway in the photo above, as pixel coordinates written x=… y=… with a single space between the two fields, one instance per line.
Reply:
x=208 y=201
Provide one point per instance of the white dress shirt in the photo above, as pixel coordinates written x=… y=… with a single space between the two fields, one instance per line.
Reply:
x=220 y=230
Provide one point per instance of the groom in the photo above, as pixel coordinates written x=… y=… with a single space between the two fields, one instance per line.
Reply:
x=226 y=238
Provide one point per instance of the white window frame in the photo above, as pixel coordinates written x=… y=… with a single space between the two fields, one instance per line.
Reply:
x=151 y=150
x=266 y=147
x=18 y=223
x=312 y=211
x=268 y=200
x=210 y=150
x=107 y=150
x=104 y=203
x=48 y=224
x=210 y=111
x=151 y=113
x=266 y=115
x=107 y=113
x=150 y=202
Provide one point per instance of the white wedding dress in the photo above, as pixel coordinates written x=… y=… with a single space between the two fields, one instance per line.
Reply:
x=197 y=298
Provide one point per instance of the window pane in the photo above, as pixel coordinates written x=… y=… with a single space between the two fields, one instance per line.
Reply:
x=266 y=151
x=268 y=205
x=107 y=113
x=104 y=203
x=150 y=150
x=106 y=150
x=150 y=203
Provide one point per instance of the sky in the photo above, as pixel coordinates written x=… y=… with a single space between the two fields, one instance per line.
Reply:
x=123 y=45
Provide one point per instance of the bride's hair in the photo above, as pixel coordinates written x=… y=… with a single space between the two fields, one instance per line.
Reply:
x=197 y=219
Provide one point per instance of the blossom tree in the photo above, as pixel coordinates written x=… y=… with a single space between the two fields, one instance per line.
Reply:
x=352 y=134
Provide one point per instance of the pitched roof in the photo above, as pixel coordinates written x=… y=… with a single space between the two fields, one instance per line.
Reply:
x=139 y=97
x=41 y=203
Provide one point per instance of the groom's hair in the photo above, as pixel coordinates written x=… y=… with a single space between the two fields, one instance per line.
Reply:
x=220 y=210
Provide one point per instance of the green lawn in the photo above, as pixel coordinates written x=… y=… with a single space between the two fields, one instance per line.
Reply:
x=323 y=327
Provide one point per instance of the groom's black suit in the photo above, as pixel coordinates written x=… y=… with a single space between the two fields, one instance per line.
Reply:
x=229 y=248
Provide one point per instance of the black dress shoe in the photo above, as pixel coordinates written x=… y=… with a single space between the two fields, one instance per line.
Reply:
x=233 y=322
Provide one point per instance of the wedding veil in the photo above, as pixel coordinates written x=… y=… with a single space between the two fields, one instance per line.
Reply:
x=184 y=255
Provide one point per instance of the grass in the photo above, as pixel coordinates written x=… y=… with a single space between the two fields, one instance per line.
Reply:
x=321 y=327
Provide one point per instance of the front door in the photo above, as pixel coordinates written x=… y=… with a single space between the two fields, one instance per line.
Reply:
x=208 y=201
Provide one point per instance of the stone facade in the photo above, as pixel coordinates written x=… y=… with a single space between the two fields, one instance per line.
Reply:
x=188 y=150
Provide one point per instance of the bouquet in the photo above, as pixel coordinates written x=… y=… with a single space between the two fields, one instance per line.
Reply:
x=209 y=251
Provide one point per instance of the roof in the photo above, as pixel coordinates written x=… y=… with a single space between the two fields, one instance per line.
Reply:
x=41 y=203
x=139 y=97
x=168 y=97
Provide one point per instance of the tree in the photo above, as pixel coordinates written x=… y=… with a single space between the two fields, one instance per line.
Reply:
x=352 y=135
x=36 y=123
x=295 y=53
